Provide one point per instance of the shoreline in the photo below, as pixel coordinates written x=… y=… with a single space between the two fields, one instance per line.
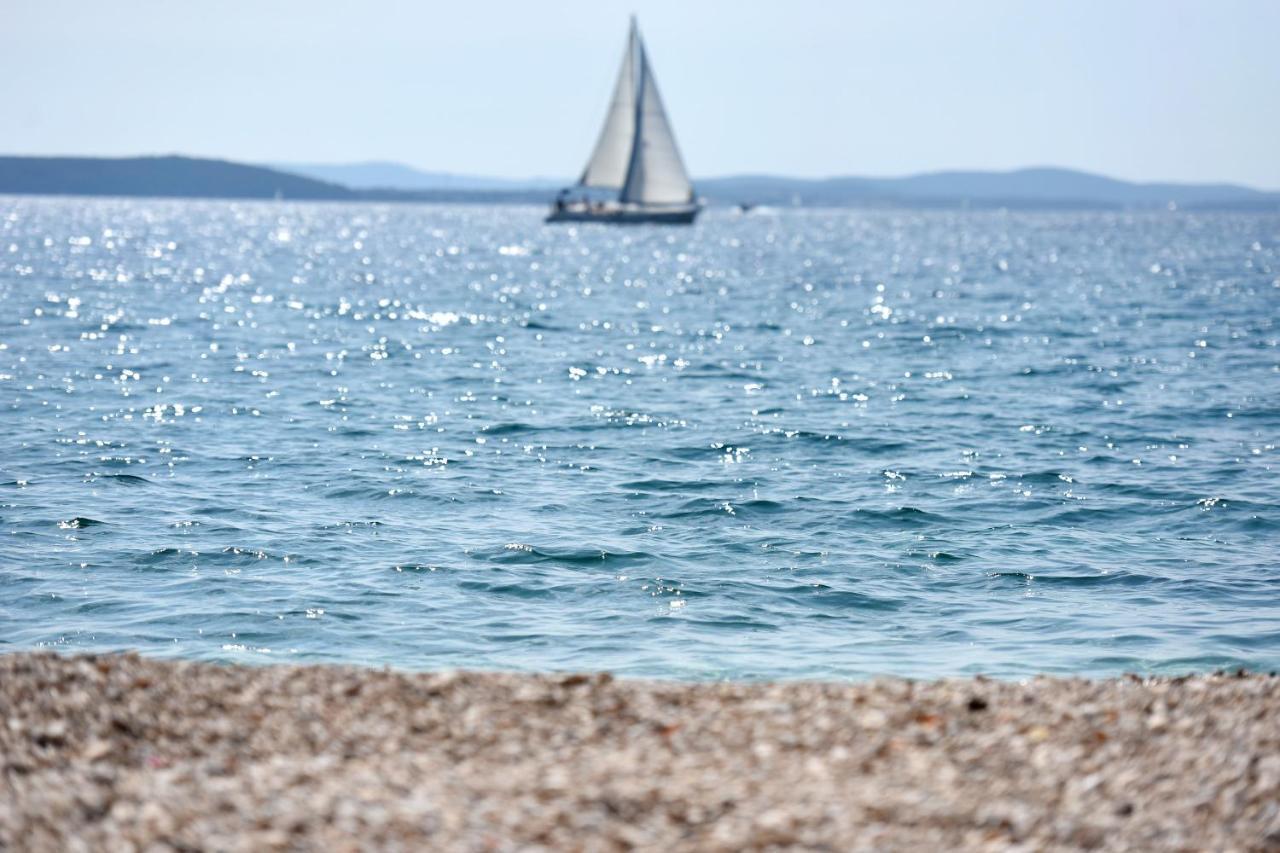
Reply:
x=112 y=751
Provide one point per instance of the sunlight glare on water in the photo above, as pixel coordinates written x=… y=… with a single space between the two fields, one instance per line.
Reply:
x=795 y=444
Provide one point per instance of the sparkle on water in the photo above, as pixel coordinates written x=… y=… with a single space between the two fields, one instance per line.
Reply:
x=793 y=444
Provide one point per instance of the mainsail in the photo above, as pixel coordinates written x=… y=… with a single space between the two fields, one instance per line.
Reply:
x=637 y=152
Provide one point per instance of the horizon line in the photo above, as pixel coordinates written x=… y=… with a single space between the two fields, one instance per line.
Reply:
x=927 y=172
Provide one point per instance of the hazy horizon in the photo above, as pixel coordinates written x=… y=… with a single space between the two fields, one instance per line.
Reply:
x=1150 y=92
x=537 y=179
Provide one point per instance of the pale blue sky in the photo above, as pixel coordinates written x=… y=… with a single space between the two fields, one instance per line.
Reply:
x=1138 y=89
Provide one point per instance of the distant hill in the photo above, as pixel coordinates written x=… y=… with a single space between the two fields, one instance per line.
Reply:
x=158 y=176
x=397 y=176
x=389 y=182
x=1041 y=187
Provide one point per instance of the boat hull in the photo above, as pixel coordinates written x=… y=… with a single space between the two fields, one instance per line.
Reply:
x=627 y=215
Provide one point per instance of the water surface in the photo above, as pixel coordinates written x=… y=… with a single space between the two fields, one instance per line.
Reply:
x=793 y=444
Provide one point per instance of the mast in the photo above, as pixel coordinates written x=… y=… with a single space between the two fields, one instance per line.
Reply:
x=637 y=136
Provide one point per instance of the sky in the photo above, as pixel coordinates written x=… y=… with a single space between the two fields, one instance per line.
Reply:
x=1137 y=89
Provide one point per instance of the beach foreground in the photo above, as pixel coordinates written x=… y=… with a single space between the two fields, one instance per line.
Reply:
x=119 y=751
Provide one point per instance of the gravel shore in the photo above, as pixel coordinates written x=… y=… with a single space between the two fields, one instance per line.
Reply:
x=119 y=752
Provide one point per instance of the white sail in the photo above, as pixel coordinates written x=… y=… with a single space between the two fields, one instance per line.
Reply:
x=656 y=174
x=608 y=164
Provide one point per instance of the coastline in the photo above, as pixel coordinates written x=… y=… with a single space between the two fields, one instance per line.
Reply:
x=119 y=751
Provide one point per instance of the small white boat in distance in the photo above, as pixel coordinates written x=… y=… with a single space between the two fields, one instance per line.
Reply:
x=636 y=155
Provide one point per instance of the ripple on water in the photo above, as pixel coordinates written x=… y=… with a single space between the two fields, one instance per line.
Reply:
x=819 y=443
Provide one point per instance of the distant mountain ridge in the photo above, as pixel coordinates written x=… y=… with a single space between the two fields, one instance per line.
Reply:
x=1019 y=188
x=165 y=176
x=382 y=175
x=186 y=177
x=1031 y=187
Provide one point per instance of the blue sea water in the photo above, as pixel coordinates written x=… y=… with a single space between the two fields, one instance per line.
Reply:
x=797 y=443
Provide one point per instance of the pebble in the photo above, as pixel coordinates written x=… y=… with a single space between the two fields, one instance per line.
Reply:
x=119 y=752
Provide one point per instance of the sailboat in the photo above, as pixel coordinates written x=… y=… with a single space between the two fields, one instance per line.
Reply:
x=636 y=155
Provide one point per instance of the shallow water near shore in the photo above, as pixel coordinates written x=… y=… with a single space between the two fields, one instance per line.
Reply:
x=788 y=444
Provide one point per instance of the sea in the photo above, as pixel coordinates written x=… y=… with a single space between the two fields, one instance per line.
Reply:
x=792 y=443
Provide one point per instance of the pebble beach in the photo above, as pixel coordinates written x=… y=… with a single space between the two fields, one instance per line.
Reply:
x=122 y=752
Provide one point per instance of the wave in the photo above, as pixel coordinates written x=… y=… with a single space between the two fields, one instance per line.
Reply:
x=123 y=479
x=660 y=485
x=1118 y=579
x=510 y=428
x=896 y=518
x=80 y=522
x=520 y=553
